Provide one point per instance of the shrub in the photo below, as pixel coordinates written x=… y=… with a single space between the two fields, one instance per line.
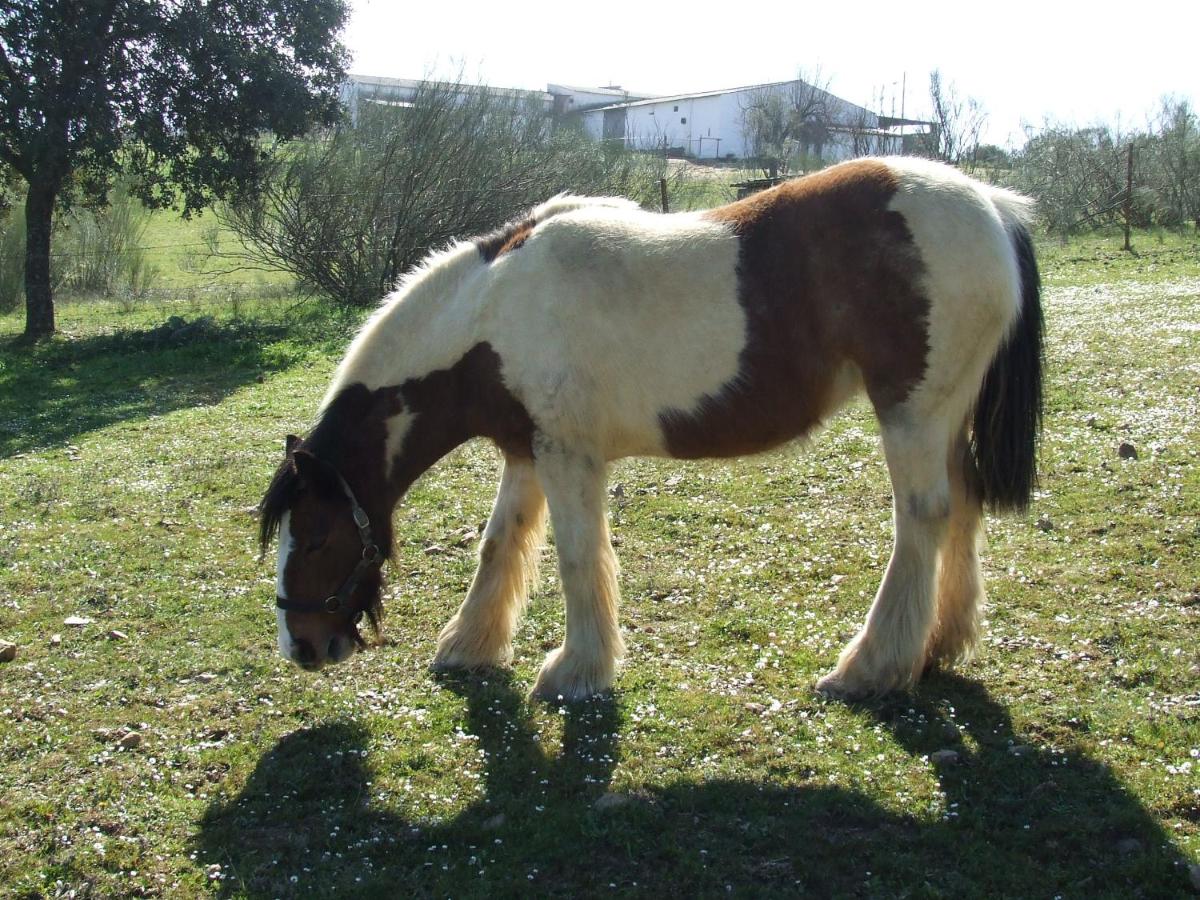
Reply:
x=12 y=259
x=1078 y=175
x=95 y=252
x=101 y=251
x=348 y=212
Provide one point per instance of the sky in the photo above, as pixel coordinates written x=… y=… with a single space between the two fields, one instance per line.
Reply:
x=1027 y=62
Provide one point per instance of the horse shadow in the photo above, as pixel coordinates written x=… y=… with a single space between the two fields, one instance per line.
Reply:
x=306 y=821
x=54 y=392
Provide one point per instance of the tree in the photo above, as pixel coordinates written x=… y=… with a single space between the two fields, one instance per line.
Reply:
x=778 y=119
x=177 y=92
x=1174 y=163
x=863 y=134
x=957 y=123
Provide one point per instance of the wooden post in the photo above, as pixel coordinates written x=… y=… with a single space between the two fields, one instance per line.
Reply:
x=662 y=187
x=1128 y=195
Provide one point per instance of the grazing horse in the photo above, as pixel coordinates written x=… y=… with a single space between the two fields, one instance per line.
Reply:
x=592 y=330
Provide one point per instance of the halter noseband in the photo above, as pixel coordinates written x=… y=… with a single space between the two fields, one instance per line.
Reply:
x=370 y=557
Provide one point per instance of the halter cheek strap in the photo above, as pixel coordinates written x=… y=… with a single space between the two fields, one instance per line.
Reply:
x=371 y=557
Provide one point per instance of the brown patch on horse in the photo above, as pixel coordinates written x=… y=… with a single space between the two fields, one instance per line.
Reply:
x=504 y=239
x=449 y=407
x=827 y=275
x=454 y=405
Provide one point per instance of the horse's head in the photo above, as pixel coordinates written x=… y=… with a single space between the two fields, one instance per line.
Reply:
x=328 y=572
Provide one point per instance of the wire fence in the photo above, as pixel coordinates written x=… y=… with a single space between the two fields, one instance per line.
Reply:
x=220 y=303
x=221 y=273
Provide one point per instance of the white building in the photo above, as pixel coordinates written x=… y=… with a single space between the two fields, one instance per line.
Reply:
x=360 y=90
x=711 y=124
x=557 y=99
x=569 y=99
x=706 y=125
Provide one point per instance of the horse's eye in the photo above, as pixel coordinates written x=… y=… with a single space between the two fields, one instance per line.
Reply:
x=315 y=543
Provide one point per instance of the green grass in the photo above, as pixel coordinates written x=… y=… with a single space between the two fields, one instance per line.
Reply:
x=129 y=464
x=179 y=250
x=1097 y=258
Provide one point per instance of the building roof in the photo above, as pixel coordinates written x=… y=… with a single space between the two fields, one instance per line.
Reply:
x=415 y=83
x=896 y=121
x=696 y=95
x=611 y=91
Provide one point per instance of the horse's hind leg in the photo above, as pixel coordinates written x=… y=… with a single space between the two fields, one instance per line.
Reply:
x=889 y=652
x=586 y=662
x=960 y=582
x=480 y=633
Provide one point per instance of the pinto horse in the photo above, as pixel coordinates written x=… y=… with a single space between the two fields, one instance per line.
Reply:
x=592 y=330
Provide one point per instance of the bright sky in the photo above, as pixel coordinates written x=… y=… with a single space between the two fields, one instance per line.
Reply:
x=1076 y=62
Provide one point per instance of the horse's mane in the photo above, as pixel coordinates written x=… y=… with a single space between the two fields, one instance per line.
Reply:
x=275 y=502
x=562 y=203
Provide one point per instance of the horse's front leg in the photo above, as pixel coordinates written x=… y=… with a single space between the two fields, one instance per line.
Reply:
x=586 y=662
x=480 y=634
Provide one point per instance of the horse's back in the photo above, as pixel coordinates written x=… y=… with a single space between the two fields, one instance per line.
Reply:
x=734 y=330
x=606 y=317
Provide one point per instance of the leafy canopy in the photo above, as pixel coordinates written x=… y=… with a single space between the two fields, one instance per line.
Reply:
x=178 y=91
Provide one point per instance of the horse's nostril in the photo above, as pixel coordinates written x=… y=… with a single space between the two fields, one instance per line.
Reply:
x=304 y=652
x=340 y=647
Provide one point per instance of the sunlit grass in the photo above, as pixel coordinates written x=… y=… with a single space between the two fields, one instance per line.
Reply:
x=129 y=466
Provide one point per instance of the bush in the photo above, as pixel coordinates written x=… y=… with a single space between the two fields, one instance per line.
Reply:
x=100 y=252
x=1078 y=175
x=12 y=259
x=95 y=252
x=347 y=213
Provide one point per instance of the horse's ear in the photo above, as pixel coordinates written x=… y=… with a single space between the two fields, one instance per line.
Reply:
x=292 y=442
x=304 y=463
x=312 y=472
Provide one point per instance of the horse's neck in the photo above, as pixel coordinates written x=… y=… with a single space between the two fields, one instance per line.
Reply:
x=409 y=360
x=425 y=326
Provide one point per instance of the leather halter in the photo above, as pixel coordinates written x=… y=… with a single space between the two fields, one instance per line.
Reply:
x=371 y=557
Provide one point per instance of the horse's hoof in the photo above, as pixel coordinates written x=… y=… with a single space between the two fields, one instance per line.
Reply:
x=836 y=686
x=945 y=658
x=452 y=657
x=566 y=678
x=460 y=648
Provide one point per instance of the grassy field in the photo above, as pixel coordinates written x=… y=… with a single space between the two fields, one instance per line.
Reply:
x=161 y=746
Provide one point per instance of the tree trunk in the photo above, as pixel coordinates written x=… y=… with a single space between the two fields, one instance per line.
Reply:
x=39 y=302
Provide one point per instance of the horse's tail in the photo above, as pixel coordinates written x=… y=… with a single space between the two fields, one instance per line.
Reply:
x=1008 y=410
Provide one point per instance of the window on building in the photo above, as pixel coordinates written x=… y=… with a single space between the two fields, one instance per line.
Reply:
x=676 y=109
x=683 y=120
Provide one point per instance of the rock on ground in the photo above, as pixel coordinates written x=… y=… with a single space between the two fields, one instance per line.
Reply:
x=612 y=801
